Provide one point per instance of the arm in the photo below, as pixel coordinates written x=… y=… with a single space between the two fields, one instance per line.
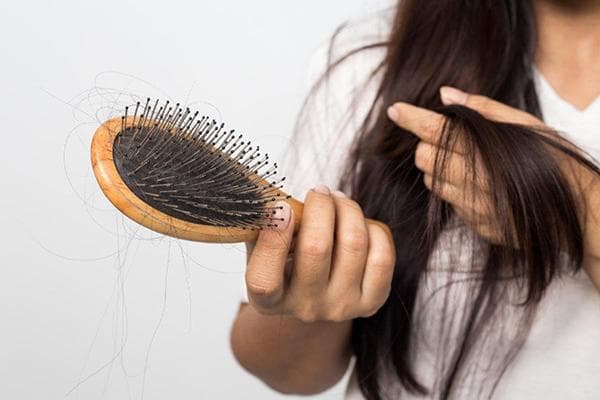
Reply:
x=289 y=355
x=295 y=333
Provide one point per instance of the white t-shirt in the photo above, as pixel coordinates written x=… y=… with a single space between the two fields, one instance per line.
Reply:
x=560 y=358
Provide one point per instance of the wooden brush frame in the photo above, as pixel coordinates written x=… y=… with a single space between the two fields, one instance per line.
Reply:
x=136 y=209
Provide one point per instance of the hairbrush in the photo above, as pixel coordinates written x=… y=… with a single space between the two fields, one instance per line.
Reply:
x=185 y=175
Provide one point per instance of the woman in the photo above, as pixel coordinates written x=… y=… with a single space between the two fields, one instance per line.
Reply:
x=486 y=284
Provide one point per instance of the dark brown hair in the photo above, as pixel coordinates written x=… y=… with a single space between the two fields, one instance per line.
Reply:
x=485 y=47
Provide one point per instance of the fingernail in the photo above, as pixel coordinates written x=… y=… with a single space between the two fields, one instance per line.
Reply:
x=339 y=194
x=452 y=95
x=393 y=113
x=281 y=215
x=322 y=189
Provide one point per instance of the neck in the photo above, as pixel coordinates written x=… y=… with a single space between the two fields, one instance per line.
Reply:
x=569 y=47
x=569 y=28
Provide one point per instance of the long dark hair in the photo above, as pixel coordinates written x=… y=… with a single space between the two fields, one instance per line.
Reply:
x=485 y=47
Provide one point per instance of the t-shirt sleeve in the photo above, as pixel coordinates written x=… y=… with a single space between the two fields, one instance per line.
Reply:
x=331 y=117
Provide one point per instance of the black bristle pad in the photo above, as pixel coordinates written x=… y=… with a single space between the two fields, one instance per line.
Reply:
x=194 y=170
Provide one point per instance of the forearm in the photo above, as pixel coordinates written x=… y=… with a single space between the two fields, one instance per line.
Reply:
x=289 y=355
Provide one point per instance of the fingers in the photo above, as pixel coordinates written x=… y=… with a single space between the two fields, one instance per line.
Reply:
x=474 y=200
x=487 y=107
x=466 y=187
x=351 y=246
x=314 y=244
x=456 y=171
x=342 y=266
x=472 y=207
x=484 y=227
x=377 y=278
x=425 y=124
x=265 y=269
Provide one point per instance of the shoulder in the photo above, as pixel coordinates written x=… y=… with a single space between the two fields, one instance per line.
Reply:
x=354 y=50
x=343 y=77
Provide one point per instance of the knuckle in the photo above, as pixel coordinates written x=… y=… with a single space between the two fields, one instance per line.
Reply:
x=349 y=203
x=337 y=318
x=383 y=260
x=308 y=313
x=428 y=181
x=354 y=241
x=345 y=310
x=314 y=248
x=307 y=318
x=423 y=157
x=318 y=200
x=339 y=315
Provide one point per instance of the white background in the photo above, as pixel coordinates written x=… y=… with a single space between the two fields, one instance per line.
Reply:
x=82 y=291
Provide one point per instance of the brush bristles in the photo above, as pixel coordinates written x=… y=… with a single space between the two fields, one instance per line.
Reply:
x=192 y=168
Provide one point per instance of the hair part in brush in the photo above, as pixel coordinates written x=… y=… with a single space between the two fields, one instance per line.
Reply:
x=185 y=175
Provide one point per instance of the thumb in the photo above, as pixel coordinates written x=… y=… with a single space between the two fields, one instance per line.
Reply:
x=487 y=107
x=265 y=269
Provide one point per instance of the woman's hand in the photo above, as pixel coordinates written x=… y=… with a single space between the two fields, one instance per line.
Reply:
x=470 y=200
x=304 y=292
x=341 y=267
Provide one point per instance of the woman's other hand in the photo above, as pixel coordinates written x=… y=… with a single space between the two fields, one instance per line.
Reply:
x=472 y=200
x=340 y=269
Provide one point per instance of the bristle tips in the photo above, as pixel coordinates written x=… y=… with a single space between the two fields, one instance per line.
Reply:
x=196 y=171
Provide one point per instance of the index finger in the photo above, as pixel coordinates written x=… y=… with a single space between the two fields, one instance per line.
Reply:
x=425 y=124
